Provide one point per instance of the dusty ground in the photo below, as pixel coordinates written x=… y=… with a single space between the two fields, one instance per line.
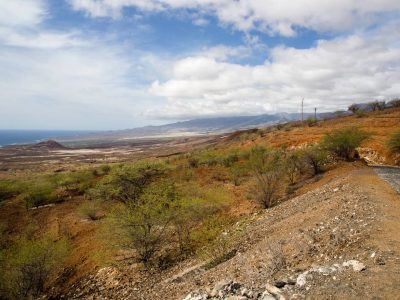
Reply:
x=310 y=243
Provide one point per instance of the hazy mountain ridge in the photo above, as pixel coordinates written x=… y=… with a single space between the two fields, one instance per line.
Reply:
x=200 y=126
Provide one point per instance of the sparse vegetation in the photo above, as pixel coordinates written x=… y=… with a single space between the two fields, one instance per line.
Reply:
x=343 y=142
x=394 y=142
x=28 y=264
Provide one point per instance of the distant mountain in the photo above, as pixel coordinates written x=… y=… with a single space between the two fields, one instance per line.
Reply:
x=196 y=127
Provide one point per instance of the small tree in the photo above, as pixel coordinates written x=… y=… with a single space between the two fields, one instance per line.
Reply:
x=353 y=108
x=267 y=168
x=317 y=157
x=343 y=142
x=143 y=222
x=394 y=142
x=127 y=183
x=293 y=165
x=376 y=105
x=394 y=102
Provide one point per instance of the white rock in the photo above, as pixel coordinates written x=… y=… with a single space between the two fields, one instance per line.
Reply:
x=302 y=279
x=355 y=264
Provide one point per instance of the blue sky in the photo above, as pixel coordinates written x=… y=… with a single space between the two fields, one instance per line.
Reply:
x=114 y=64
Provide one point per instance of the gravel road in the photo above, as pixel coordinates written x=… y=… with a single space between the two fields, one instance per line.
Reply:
x=389 y=174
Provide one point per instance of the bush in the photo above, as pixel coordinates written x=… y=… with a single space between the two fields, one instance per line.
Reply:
x=317 y=157
x=360 y=113
x=394 y=142
x=293 y=165
x=311 y=121
x=75 y=182
x=394 y=102
x=376 y=105
x=91 y=210
x=230 y=159
x=343 y=142
x=144 y=223
x=28 y=264
x=267 y=168
x=128 y=182
x=9 y=189
x=40 y=193
x=353 y=108
x=193 y=162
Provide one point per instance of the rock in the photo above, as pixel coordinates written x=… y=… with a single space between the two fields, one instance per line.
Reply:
x=355 y=264
x=236 y=298
x=302 y=279
x=219 y=287
x=266 y=296
x=193 y=296
x=274 y=291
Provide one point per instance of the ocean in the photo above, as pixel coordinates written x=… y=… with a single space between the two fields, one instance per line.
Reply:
x=14 y=137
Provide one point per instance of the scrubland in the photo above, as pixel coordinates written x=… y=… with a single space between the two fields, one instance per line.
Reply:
x=59 y=226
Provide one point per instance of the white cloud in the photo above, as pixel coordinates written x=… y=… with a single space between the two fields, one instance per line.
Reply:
x=66 y=79
x=332 y=74
x=271 y=16
x=24 y=13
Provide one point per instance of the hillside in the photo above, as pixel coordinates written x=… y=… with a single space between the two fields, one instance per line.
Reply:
x=326 y=234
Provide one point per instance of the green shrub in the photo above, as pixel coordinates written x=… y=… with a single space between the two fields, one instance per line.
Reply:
x=193 y=162
x=230 y=159
x=293 y=165
x=105 y=169
x=143 y=223
x=74 y=183
x=316 y=156
x=28 y=264
x=394 y=142
x=9 y=189
x=343 y=142
x=128 y=182
x=267 y=168
x=360 y=113
x=40 y=193
x=91 y=210
x=311 y=121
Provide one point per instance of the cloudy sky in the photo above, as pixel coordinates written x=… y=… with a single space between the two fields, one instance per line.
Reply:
x=113 y=64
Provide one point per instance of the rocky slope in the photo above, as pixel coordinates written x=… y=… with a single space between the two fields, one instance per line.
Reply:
x=337 y=240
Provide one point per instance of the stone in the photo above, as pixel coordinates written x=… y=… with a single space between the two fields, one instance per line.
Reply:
x=219 y=287
x=274 y=291
x=193 y=296
x=302 y=279
x=267 y=296
x=355 y=264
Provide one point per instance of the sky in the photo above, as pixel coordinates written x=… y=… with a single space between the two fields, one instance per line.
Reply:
x=116 y=64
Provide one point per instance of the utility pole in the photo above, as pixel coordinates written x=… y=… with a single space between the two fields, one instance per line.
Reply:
x=302 y=110
x=315 y=113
